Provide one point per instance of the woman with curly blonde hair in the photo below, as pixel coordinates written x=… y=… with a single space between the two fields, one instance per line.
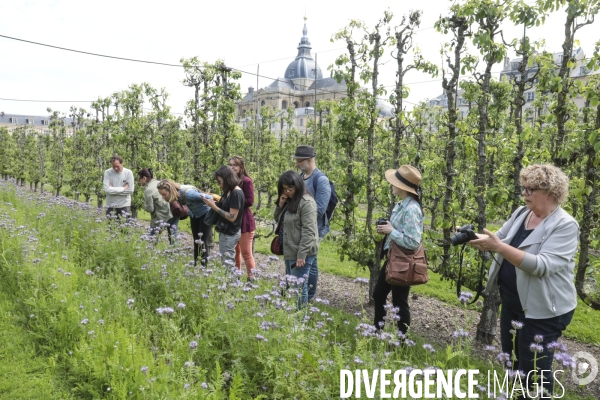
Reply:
x=534 y=270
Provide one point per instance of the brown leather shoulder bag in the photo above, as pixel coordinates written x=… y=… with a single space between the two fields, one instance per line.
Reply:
x=406 y=267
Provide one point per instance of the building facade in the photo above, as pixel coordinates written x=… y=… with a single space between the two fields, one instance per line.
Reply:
x=41 y=124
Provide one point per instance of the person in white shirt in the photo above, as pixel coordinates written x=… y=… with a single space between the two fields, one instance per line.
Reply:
x=118 y=185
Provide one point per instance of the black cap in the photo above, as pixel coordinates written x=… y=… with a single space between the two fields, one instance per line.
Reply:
x=304 y=152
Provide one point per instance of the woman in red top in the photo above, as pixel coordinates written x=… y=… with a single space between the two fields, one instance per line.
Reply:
x=244 y=246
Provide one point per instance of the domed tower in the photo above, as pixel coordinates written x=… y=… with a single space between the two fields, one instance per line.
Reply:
x=302 y=70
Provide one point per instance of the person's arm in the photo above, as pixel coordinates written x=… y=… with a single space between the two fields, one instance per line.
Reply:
x=309 y=233
x=556 y=252
x=148 y=202
x=107 y=186
x=129 y=185
x=248 y=189
x=322 y=195
x=410 y=232
x=235 y=205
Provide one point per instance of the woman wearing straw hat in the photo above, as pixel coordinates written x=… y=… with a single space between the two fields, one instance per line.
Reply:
x=405 y=227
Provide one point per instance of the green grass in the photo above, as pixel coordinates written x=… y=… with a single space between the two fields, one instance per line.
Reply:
x=582 y=327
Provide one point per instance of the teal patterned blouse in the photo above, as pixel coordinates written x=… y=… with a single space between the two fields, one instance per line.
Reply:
x=407 y=220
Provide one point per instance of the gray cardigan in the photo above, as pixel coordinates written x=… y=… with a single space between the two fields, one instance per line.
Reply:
x=159 y=209
x=300 y=232
x=545 y=276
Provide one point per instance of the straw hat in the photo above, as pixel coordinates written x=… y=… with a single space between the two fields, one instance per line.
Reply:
x=407 y=178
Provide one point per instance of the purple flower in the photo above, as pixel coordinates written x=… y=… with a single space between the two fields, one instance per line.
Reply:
x=186 y=386
x=181 y=306
x=556 y=346
x=188 y=364
x=536 y=348
x=503 y=357
x=465 y=297
x=193 y=344
x=517 y=324
x=429 y=348
x=203 y=385
x=538 y=338
x=361 y=280
x=130 y=303
x=84 y=321
x=357 y=360
x=89 y=272
x=144 y=370
x=490 y=348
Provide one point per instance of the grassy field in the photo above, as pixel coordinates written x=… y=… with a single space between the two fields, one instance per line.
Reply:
x=583 y=327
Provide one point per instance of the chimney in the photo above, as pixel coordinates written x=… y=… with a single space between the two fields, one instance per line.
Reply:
x=506 y=61
x=250 y=90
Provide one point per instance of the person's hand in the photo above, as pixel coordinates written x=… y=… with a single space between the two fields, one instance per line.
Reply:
x=126 y=186
x=209 y=202
x=300 y=263
x=486 y=242
x=385 y=229
x=282 y=200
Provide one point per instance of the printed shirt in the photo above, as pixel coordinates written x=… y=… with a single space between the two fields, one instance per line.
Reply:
x=407 y=220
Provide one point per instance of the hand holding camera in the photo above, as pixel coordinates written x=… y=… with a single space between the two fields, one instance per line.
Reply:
x=383 y=226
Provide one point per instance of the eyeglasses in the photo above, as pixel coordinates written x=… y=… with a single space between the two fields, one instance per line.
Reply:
x=289 y=189
x=528 y=191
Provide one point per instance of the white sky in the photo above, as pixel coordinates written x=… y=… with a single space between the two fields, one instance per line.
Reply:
x=243 y=33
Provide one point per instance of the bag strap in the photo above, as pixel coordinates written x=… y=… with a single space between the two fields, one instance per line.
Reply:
x=481 y=269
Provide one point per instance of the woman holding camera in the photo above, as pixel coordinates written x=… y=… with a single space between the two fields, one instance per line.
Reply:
x=300 y=232
x=534 y=269
x=176 y=194
x=405 y=228
x=230 y=209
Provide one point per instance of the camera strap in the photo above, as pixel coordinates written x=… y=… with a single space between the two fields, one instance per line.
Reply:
x=459 y=280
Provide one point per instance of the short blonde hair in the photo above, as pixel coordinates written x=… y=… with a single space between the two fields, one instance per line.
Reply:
x=170 y=187
x=548 y=178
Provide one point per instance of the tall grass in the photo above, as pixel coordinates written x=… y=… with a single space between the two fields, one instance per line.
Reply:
x=104 y=311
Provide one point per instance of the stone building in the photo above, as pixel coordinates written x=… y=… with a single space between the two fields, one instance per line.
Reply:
x=297 y=91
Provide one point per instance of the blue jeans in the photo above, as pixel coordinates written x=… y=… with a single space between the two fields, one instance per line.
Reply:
x=299 y=272
x=313 y=277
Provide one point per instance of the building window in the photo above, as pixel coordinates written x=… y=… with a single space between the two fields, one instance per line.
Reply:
x=307 y=104
x=296 y=104
x=530 y=96
x=515 y=66
x=284 y=105
x=581 y=70
x=301 y=122
x=13 y=120
x=29 y=121
x=45 y=122
x=262 y=103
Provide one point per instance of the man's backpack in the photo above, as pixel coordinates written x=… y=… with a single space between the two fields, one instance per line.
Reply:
x=333 y=199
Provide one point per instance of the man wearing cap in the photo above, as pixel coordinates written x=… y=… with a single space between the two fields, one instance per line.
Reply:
x=305 y=161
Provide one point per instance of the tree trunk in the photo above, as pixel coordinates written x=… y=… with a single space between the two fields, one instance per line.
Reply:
x=486 y=328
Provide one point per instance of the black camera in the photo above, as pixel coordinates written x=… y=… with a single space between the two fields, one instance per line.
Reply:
x=464 y=234
x=381 y=221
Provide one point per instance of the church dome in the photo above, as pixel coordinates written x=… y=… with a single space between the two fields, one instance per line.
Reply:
x=304 y=65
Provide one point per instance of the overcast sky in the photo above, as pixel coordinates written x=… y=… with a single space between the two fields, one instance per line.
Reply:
x=243 y=33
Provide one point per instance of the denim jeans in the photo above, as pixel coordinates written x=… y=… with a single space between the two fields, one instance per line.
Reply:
x=299 y=272
x=313 y=277
x=550 y=328
x=227 y=245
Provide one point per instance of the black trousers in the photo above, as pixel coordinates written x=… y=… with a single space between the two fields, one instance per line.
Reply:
x=202 y=236
x=550 y=329
x=399 y=300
